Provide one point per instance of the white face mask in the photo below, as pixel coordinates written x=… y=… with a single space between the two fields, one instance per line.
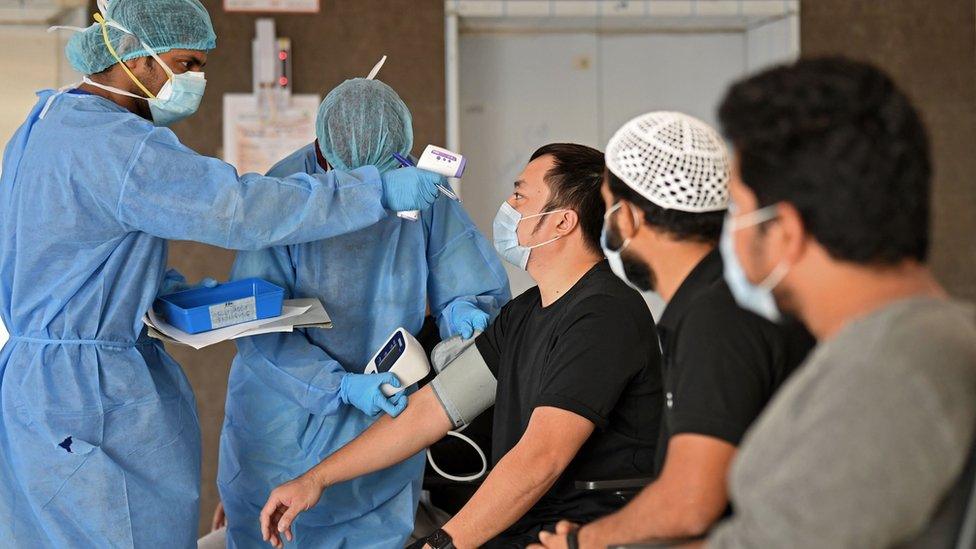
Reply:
x=614 y=256
x=505 y=234
x=757 y=298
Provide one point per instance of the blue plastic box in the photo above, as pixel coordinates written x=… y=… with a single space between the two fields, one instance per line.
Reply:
x=203 y=309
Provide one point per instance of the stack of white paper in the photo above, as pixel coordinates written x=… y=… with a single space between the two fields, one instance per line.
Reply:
x=295 y=313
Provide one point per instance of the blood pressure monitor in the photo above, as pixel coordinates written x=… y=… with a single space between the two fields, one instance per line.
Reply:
x=404 y=356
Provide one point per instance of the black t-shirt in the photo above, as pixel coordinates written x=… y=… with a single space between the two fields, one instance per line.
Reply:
x=593 y=352
x=722 y=363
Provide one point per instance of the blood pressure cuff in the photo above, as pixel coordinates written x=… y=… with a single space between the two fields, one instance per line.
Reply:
x=464 y=385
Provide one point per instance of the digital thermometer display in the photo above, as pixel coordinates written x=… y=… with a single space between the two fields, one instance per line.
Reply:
x=390 y=353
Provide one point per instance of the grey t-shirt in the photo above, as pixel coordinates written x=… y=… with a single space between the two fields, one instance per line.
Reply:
x=863 y=441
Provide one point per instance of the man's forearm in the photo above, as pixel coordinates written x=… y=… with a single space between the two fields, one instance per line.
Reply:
x=688 y=496
x=388 y=441
x=512 y=488
x=660 y=511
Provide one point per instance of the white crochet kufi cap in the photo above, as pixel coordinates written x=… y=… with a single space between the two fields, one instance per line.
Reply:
x=674 y=160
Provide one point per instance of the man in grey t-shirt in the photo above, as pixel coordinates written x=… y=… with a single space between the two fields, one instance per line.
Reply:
x=831 y=195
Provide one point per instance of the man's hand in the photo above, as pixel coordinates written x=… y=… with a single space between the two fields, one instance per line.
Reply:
x=219 y=518
x=284 y=505
x=549 y=540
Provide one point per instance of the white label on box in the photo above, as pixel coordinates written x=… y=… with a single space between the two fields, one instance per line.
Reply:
x=233 y=312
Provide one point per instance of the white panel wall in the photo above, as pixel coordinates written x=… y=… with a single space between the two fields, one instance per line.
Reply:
x=522 y=90
x=29 y=53
x=655 y=71
x=773 y=42
x=519 y=92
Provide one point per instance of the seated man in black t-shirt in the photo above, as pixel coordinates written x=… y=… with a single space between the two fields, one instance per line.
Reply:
x=666 y=194
x=578 y=374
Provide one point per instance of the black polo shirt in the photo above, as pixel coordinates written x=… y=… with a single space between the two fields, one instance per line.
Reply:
x=722 y=363
x=592 y=352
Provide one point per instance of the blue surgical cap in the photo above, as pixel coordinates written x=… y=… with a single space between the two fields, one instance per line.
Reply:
x=162 y=25
x=362 y=123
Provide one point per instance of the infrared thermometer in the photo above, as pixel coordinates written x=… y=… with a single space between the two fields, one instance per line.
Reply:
x=403 y=355
x=440 y=161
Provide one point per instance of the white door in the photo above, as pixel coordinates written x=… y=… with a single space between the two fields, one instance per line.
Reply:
x=519 y=91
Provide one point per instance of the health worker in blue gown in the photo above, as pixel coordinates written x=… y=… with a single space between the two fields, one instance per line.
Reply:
x=294 y=398
x=99 y=438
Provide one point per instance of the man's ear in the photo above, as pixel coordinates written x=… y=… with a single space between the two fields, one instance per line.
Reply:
x=568 y=220
x=137 y=63
x=793 y=232
x=627 y=219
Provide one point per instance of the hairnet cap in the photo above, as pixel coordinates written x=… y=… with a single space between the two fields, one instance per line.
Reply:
x=674 y=160
x=162 y=25
x=362 y=123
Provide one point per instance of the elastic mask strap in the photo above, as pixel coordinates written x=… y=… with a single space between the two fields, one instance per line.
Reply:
x=108 y=44
x=754 y=217
x=606 y=218
x=105 y=87
x=775 y=277
x=543 y=213
x=550 y=241
x=105 y=24
x=66 y=27
x=540 y=215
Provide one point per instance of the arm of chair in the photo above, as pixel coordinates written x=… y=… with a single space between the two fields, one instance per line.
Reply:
x=634 y=484
x=675 y=543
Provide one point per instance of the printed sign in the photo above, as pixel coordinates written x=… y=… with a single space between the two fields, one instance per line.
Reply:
x=277 y=6
x=257 y=138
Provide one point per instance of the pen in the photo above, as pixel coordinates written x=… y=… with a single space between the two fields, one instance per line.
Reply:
x=405 y=161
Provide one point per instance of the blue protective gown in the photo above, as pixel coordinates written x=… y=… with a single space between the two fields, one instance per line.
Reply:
x=283 y=412
x=99 y=439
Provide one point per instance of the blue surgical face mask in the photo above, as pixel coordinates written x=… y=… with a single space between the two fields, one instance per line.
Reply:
x=757 y=298
x=179 y=97
x=504 y=230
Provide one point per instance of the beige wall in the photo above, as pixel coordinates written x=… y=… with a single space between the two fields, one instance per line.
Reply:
x=29 y=58
x=930 y=49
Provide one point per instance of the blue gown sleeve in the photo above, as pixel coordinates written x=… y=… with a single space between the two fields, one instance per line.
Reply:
x=463 y=265
x=172 y=192
x=289 y=362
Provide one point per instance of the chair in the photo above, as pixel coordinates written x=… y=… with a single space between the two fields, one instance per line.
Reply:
x=954 y=524
x=625 y=488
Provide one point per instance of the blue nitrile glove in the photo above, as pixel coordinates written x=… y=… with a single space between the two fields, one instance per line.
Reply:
x=410 y=188
x=363 y=392
x=465 y=318
x=176 y=282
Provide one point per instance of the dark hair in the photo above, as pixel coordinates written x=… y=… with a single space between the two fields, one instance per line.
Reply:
x=840 y=142
x=690 y=226
x=574 y=183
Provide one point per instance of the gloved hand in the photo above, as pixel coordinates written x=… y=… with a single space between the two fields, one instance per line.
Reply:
x=465 y=318
x=363 y=392
x=176 y=282
x=410 y=188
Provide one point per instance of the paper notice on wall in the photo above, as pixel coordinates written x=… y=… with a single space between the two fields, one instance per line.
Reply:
x=257 y=137
x=279 y=6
